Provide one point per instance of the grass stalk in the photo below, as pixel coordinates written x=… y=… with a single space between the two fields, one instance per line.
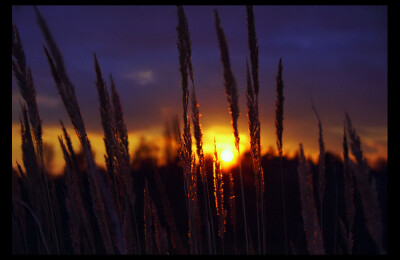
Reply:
x=28 y=92
x=186 y=144
x=321 y=166
x=67 y=93
x=256 y=131
x=349 y=194
x=232 y=208
x=113 y=158
x=199 y=149
x=312 y=228
x=232 y=98
x=369 y=194
x=279 y=131
x=42 y=236
x=219 y=196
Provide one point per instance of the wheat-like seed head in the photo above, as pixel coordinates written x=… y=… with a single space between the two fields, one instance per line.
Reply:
x=253 y=47
x=198 y=135
x=348 y=193
x=186 y=155
x=254 y=131
x=368 y=192
x=26 y=87
x=229 y=79
x=219 y=193
x=279 y=108
x=122 y=133
x=321 y=158
x=67 y=93
x=309 y=213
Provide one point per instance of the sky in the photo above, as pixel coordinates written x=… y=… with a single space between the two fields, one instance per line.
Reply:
x=336 y=56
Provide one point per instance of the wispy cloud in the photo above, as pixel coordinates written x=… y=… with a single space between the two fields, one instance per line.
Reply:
x=47 y=101
x=141 y=77
x=373 y=140
x=42 y=100
x=377 y=133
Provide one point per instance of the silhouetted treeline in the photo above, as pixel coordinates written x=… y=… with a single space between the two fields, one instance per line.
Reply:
x=166 y=184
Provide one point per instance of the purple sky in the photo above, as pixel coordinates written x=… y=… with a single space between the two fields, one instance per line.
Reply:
x=336 y=55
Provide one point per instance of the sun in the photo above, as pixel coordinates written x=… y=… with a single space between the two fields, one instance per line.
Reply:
x=227 y=155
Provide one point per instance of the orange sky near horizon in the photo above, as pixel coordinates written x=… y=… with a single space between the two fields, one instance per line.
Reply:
x=222 y=134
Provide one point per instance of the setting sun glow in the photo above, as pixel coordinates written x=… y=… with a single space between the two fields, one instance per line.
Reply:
x=226 y=155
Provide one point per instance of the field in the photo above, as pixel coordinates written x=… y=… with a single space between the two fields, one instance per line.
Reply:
x=197 y=202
